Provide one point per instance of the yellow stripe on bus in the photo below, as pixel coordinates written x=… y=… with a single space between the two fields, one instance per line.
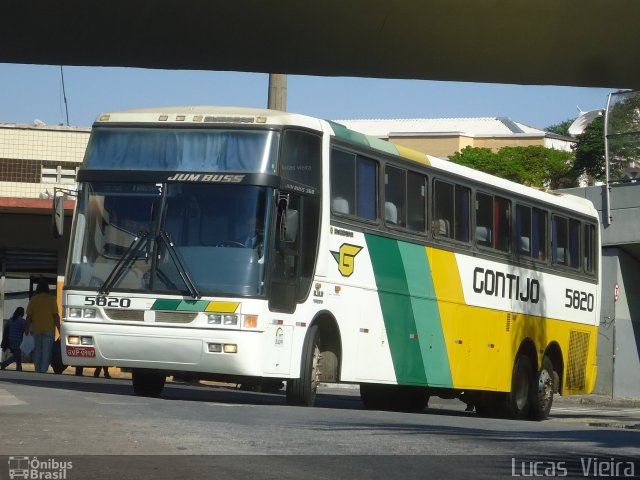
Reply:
x=482 y=343
x=413 y=155
x=222 y=307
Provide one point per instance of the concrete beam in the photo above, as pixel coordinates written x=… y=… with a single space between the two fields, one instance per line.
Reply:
x=557 y=42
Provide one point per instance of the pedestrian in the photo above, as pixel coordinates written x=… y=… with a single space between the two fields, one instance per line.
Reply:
x=42 y=320
x=104 y=369
x=16 y=332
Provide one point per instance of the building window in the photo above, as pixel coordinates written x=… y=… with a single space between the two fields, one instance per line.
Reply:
x=58 y=174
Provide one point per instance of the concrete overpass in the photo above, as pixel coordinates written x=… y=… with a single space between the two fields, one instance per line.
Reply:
x=555 y=42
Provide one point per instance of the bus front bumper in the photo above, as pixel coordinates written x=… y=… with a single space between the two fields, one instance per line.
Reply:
x=231 y=352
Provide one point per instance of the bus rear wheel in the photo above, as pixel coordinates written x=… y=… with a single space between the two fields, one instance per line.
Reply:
x=302 y=391
x=545 y=387
x=522 y=389
x=147 y=384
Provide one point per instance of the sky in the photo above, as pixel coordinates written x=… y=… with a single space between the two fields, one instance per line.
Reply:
x=34 y=92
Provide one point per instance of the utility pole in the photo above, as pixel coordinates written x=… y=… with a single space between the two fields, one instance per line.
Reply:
x=278 y=91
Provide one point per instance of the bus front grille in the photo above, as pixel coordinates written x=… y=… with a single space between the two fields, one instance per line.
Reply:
x=125 y=314
x=175 y=317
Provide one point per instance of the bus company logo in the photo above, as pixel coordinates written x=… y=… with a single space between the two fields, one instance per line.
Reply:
x=202 y=177
x=346 y=258
x=36 y=469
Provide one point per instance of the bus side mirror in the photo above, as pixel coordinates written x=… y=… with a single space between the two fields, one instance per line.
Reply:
x=58 y=216
x=291 y=227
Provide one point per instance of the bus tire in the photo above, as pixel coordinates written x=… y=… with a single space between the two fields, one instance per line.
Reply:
x=522 y=389
x=147 y=384
x=302 y=391
x=543 y=393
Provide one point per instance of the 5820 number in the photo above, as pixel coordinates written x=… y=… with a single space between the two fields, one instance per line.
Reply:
x=100 y=301
x=579 y=300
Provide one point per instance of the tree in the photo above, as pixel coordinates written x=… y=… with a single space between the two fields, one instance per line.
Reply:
x=589 y=151
x=561 y=128
x=534 y=166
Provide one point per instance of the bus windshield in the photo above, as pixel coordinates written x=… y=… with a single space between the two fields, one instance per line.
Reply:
x=182 y=150
x=171 y=238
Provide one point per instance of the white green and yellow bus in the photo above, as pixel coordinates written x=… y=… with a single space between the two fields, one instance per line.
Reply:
x=256 y=246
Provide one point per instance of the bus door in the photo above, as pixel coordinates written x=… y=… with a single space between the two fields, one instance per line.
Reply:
x=294 y=251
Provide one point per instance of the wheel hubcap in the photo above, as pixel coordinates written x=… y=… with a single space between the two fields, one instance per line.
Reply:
x=545 y=387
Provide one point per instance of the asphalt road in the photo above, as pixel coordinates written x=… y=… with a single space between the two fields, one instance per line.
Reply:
x=212 y=431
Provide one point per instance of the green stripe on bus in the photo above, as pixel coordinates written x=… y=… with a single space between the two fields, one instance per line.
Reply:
x=367 y=140
x=165 y=304
x=426 y=314
x=397 y=310
x=180 y=305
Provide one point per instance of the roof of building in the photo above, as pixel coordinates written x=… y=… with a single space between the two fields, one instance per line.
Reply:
x=40 y=125
x=473 y=127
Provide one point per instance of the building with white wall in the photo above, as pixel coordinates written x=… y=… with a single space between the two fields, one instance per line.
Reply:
x=442 y=137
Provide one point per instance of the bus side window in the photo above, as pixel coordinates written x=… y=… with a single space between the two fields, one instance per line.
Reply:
x=523 y=230
x=354 y=181
x=539 y=234
x=559 y=233
x=589 y=248
x=574 y=244
x=462 y=213
x=395 y=192
x=343 y=182
x=443 y=209
x=416 y=201
x=484 y=219
x=502 y=224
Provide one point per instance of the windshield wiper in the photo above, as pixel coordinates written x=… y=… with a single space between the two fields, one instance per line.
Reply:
x=133 y=249
x=182 y=269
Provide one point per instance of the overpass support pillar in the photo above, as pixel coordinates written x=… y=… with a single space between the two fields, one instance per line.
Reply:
x=278 y=91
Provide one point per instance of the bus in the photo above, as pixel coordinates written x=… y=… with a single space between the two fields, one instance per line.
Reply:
x=369 y=264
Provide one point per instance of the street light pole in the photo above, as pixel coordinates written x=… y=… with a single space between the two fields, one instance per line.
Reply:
x=607 y=194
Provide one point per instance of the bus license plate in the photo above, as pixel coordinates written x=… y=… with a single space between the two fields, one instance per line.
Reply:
x=86 y=352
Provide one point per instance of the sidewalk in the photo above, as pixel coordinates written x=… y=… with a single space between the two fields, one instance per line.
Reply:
x=597 y=400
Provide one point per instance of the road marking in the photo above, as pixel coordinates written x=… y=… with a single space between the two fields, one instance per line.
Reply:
x=8 y=399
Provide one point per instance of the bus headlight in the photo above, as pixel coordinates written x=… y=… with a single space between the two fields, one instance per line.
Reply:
x=230 y=320
x=75 y=312
x=214 y=319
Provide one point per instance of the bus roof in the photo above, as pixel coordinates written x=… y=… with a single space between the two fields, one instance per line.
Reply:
x=215 y=115
x=199 y=115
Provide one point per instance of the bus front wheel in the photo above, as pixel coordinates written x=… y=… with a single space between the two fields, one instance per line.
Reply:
x=147 y=384
x=302 y=391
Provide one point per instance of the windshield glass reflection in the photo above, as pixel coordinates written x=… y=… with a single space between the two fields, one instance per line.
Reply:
x=207 y=239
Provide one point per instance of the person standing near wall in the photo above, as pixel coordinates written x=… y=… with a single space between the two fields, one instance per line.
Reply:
x=42 y=320
x=16 y=330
